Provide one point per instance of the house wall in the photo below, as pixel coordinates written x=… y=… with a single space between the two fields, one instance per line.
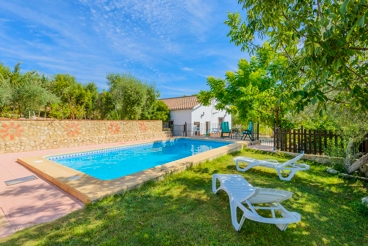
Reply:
x=209 y=116
x=200 y=114
x=27 y=135
x=181 y=116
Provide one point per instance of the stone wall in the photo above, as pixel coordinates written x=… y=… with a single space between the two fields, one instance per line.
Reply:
x=27 y=135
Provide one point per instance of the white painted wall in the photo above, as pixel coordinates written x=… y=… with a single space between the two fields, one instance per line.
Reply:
x=200 y=114
x=209 y=113
x=181 y=116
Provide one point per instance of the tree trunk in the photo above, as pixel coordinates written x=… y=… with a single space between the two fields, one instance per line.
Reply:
x=348 y=153
x=358 y=163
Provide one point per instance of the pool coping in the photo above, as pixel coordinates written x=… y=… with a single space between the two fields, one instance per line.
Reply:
x=89 y=189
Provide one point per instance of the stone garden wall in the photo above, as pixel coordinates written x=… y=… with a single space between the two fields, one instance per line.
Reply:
x=27 y=135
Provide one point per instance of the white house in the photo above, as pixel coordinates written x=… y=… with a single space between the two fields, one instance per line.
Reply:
x=187 y=109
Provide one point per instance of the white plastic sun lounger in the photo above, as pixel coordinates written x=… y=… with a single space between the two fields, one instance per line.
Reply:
x=289 y=168
x=243 y=195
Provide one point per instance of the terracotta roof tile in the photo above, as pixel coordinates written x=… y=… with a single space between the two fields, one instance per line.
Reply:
x=179 y=103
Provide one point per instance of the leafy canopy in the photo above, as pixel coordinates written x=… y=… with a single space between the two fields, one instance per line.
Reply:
x=133 y=99
x=252 y=91
x=325 y=43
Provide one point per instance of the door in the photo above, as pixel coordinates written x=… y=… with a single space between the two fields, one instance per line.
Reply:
x=196 y=128
x=220 y=120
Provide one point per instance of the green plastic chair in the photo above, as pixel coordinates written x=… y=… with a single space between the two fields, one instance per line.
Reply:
x=225 y=129
x=248 y=132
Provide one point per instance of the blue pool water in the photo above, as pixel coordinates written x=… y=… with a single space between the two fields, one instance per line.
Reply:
x=113 y=163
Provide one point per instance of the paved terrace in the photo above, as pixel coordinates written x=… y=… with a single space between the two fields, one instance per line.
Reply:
x=37 y=201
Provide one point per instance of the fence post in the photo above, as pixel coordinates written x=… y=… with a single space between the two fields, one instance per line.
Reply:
x=275 y=142
x=290 y=138
x=303 y=144
x=185 y=130
x=294 y=141
x=281 y=139
x=298 y=145
x=257 y=131
x=315 y=142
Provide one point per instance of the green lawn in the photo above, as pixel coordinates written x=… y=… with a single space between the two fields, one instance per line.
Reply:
x=182 y=210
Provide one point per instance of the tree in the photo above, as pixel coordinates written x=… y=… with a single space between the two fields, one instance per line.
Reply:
x=325 y=43
x=149 y=105
x=23 y=92
x=251 y=91
x=5 y=71
x=72 y=94
x=161 y=111
x=91 y=106
x=131 y=96
x=5 y=93
x=106 y=105
x=29 y=93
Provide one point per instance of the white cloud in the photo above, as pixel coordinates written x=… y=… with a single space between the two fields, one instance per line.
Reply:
x=149 y=39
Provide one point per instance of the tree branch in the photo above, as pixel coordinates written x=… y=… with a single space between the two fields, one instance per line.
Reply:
x=329 y=90
x=292 y=26
x=319 y=14
x=358 y=75
x=358 y=48
x=291 y=60
x=338 y=102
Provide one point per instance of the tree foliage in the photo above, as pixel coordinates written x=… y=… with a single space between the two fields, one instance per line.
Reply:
x=252 y=91
x=132 y=97
x=29 y=94
x=161 y=111
x=72 y=95
x=5 y=92
x=63 y=97
x=325 y=43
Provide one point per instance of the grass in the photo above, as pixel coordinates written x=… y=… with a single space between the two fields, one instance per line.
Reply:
x=182 y=210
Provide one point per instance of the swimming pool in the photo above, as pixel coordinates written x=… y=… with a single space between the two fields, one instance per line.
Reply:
x=108 y=164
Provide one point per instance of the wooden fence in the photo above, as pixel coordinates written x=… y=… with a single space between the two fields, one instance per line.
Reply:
x=310 y=141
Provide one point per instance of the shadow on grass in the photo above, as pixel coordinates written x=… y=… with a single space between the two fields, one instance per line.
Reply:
x=182 y=210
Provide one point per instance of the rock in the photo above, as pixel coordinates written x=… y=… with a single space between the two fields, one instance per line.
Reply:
x=365 y=201
x=345 y=175
x=332 y=171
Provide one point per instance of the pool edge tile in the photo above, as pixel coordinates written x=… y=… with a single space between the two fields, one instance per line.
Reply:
x=89 y=189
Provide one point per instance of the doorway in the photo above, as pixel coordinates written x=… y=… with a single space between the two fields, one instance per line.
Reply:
x=220 y=120
x=208 y=128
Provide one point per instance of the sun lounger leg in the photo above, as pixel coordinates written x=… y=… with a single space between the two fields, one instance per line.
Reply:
x=289 y=177
x=214 y=188
x=234 y=216
x=251 y=164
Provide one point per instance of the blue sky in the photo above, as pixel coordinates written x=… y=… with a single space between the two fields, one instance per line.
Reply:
x=174 y=44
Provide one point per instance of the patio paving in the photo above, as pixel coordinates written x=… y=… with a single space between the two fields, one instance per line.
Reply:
x=262 y=147
x=37 y=201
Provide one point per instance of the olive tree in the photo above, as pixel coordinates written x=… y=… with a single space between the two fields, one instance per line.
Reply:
x=133 y=99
